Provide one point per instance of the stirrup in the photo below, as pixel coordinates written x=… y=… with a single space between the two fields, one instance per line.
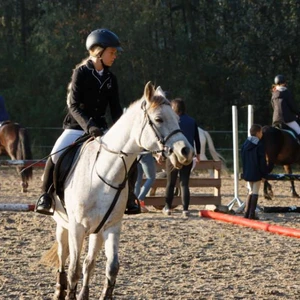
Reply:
x=44 y=205
x=133 y=209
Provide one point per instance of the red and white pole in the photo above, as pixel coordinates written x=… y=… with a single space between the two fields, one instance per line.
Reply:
x=16 y=207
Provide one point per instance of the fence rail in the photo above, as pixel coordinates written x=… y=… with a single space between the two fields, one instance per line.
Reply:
x=196 y=198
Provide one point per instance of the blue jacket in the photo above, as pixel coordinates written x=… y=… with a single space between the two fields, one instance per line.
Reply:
x=254 y=159
x=4 y=116
x=190 y=129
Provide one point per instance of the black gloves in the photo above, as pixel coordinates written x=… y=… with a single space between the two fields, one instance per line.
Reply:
x=95 y=131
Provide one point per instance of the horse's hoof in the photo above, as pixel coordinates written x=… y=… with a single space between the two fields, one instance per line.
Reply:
x=295 y=195
x=60 y=297
x=84 y=293
x=268 y=197
x=71 y=295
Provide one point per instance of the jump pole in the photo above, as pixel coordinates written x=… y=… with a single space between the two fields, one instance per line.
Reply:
x=250 y=117
x=287 y=231
x=16 y=207
x=236 y=198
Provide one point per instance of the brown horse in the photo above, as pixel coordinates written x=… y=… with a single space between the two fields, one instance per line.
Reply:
x=14 y=142
x=281 y=149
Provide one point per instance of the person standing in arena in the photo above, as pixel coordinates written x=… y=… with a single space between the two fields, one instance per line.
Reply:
x=255 y=167
x=190 y=129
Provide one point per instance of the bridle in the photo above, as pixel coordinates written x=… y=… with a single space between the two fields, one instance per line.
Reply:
x=163 y=149
x=160 y=139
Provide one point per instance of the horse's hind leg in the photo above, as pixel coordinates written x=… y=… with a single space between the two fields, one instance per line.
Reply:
x=288 y=170
x=268 y=192
x=62 y=252
x=76 y=238
x=112 y=238
x=24 y=182
x=95 y=243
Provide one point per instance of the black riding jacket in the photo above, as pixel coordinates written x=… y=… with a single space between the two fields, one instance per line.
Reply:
x=284 y=106
x=89 y=94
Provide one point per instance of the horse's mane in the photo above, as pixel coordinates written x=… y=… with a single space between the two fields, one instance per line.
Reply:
x=158 y=100
x=155 y=101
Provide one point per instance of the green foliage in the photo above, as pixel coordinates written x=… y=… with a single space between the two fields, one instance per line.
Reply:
x=214 y=54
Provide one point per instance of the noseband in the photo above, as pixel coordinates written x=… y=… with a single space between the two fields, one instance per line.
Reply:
x=160 y=139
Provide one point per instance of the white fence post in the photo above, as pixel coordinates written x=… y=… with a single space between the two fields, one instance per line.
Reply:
x=235 y=161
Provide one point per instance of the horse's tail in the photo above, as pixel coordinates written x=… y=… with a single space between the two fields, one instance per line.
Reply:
x=214 y=154
x=24 y=151
x=50 y=258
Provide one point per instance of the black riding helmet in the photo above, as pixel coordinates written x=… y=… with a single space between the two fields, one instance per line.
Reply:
x=279 y=79
x=104 y=38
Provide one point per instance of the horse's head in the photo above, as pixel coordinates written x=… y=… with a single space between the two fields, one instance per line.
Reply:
x=160 y=129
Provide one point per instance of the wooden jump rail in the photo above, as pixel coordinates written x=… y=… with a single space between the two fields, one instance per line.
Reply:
x=195 y=182
x=283 y=177
x=196 y=199
x=36 y=163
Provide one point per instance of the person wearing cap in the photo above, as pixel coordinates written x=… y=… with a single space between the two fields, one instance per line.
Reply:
x=285 y=110
x=93 y=88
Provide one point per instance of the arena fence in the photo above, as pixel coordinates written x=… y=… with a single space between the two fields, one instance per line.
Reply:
x=195 y=182
x=197 y=198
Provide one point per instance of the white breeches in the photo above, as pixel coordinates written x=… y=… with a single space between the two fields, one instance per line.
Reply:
x=65 y=139
x=253 y=187
x=294 y=125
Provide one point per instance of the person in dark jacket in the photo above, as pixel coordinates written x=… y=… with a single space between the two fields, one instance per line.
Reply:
x=255 y=167
x=4 y=116
x=190 y=129
x=93 y=88
x=285 y=110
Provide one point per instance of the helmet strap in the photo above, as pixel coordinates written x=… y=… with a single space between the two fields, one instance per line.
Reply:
x=105 y=67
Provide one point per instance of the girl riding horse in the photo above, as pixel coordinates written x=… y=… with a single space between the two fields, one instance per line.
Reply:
x=285 y=110
x=93 y=88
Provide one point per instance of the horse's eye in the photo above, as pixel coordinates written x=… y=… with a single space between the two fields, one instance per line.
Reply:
x=158 y=120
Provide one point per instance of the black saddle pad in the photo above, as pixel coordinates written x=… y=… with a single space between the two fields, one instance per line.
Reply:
x=285 y=127
x=64 y=164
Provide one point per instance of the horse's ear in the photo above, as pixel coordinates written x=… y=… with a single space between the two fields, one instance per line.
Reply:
x=149 y=91
x=159 y=91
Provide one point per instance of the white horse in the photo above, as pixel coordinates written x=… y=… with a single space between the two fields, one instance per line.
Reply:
x=96 y=190
x=206 y=138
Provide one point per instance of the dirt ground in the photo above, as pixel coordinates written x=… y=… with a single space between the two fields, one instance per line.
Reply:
x=160 y=257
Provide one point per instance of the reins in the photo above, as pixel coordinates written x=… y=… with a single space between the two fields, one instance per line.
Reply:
x=117 y=195
x=119 y=188
x=78 y=141
x=161 y=140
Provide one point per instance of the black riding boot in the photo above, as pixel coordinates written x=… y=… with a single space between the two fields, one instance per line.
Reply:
x=247 y=207
x=253 y=205
x=44 y=203
x=133 y=205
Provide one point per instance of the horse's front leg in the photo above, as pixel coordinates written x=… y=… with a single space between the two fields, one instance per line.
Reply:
x=76 y=239
x=95 y=243
x=111 y=238
x=63 y=253
x=288 y=170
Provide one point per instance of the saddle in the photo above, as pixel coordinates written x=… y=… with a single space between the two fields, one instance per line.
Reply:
x=65 y=163
x=284 y=127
